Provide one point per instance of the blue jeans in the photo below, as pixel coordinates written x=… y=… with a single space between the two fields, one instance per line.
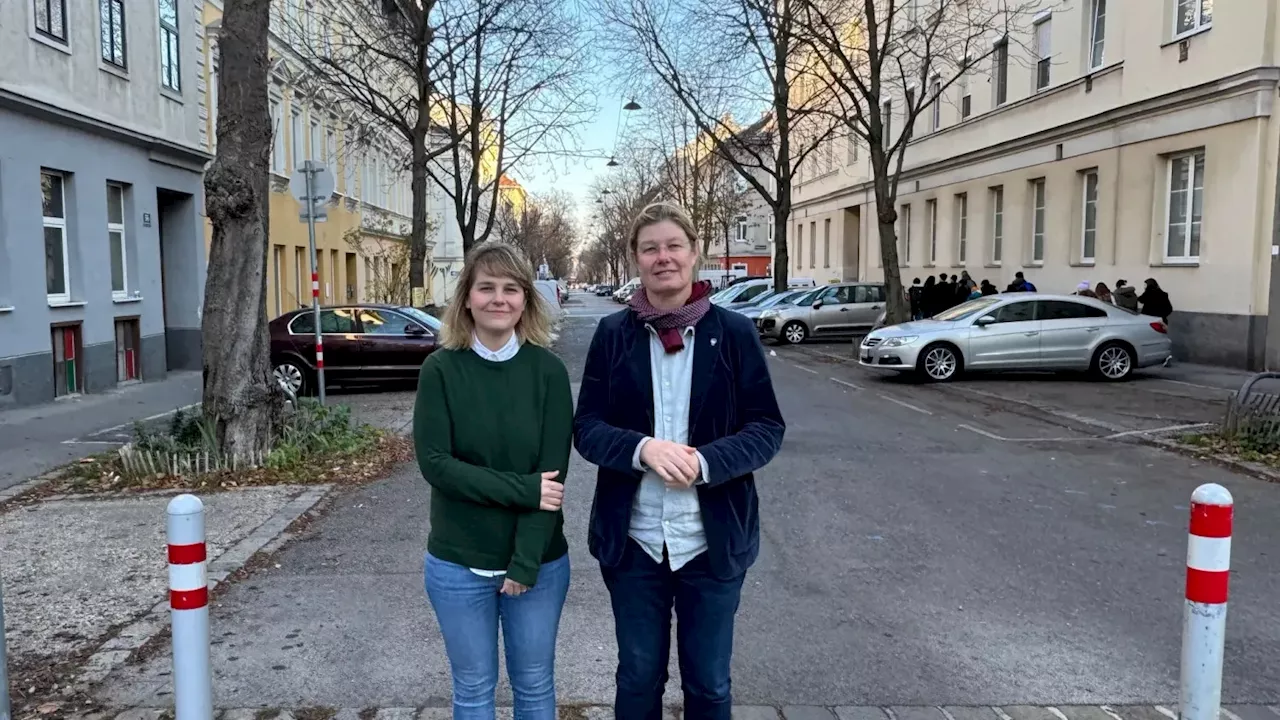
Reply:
x=469 y=608
x=644 y=593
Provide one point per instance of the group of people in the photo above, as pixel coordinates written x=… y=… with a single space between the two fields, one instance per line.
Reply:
x=677 y=411
x=943 y=293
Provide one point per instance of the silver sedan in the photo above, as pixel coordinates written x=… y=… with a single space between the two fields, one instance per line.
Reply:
x=1021 y=331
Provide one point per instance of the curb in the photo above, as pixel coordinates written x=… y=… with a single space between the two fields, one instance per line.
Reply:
x=743 y=712
x=267 y=537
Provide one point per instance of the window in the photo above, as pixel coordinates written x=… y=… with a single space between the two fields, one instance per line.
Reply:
x=298 y=137
x=852 y=150
x=886 y=122
x=1089 y=224
x=384 y=322
x=51 y=19
x=333 y=275
x=1097 y=33
x=340 y=321
x=66 y=359
x=57 y=266
x=127 y=342
x=277 y=273
x=1186 y=206
x=349 y=169
x=826 y=243
x=935 y=111
x=1016 y=312
x=1000 y=69
x=868 y=293
x=317 y=275
x=1193 y=15
x=1066 y=310
x=112 y=31
x=997 y=224
x=1043 y=50
x=966 y=100
x=1037 y=220
x=962 y=227
x=317 y=141
x=213 y=100
x=170 y=65
x=742 y=228
x=770 y=228
x=116 y=238
x=904 y=235
x=799 y=246
x=277 y=139
x=813 y=245
x=299 y=262
x=931 y=211
x=330 y=156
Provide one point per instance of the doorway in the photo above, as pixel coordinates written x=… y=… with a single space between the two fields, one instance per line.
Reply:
x=181 y=243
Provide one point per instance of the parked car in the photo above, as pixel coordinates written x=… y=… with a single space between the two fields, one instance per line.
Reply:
x=791 y=297
x=623 y=293
x=362 y=343
x=604 y=290
x=838 y=310
x=740 y=294
x=1020 y=332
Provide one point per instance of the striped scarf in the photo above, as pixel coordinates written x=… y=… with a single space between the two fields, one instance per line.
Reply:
x=670 y=324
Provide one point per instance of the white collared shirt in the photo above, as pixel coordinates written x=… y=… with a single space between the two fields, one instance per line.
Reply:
x=662 y=516
x=502 y=354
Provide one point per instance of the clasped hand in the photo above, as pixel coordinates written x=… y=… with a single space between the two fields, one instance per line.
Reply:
x=677 y=464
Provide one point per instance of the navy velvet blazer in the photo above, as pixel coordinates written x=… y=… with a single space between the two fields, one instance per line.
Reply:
x=734 y=422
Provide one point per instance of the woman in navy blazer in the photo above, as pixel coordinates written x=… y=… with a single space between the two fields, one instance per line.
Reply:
x=678 y=411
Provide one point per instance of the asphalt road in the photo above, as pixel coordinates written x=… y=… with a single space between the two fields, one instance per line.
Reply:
x=906 y=560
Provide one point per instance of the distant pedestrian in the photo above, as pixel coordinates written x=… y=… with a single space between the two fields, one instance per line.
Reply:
x=492 y=428
x=914 y=298
x=929 y=297
x=1125 y=296
x=1103 y=292
x=1083 y=290
x=678 y=411
x=1020 y=284
x=987 y=288
x=1155 y=301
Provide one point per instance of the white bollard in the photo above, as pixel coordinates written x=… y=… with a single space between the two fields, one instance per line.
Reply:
x=1204 y=618
x=189 y=610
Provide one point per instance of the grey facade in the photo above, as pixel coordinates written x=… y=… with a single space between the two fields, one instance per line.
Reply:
x=134 y=254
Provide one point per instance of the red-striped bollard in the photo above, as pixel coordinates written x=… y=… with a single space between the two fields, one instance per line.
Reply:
x=1204 y=618
x=189 y=610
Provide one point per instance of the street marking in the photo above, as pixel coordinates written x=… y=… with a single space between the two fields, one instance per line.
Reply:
x=131 y=423
x=1174 y=716
x=1107 y=709
x=1001 y=438
x=801 y=367
x=94 y=442
x=982 y=432
x=1002 y=714
x=846 y=383
x=1196 y=385
x=1056 y=713
x=906 y=404
x=1170 y=428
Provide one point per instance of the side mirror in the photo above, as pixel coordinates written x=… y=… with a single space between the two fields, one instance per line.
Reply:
x=415 y=331
x=985 y=320
x=817 y=304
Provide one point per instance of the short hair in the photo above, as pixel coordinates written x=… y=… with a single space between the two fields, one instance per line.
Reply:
x=499 y=260
x=659 y=212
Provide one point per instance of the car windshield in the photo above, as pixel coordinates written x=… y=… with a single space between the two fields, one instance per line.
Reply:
x=968 y=309
x=428 y=320
x=806 y=298
x=762 y=300
x=779 y=298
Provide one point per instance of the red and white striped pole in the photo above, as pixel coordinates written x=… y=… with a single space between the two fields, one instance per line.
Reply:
x=189 y=609
x=315 y=305
x=1204 y=618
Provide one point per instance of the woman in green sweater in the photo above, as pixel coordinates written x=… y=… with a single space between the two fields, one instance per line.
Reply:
x=492 y=427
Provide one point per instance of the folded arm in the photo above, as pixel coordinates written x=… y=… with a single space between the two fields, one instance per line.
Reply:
x=433 y=444
x=535 y=529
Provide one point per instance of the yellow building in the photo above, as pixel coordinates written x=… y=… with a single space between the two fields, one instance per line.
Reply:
x=1110 y=140
x=361 y=255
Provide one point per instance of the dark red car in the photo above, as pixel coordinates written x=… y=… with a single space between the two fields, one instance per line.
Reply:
x=364 y=343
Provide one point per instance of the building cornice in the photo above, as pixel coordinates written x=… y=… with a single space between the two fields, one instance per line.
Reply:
x=1258 y=80
x=162 y=150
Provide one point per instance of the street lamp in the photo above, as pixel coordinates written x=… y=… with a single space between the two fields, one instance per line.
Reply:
x=633 y=105
x=612 y=162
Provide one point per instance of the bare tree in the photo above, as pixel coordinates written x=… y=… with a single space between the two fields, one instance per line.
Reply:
x=885 y=63
x=620 y=196
x=544 y=230
x=727 y=58
x=238 y=396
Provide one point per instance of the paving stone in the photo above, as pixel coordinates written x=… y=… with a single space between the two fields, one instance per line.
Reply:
x=1088 y=712
x=978 y=712
x=754 y=712
x=600 y=713
x=434 y=714
x=396 y=714
x=861 y=712
x=920 y=712
x=1139 y=712
x=239 y=714
x=807 y=712
x=1252 y=712
x=1030 y=712
x=347 y=714
x=141 y=714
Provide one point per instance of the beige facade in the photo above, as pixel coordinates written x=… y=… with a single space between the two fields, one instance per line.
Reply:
x=1146 y=153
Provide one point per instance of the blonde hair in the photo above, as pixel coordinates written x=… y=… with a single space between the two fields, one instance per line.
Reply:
x=499 y=260
x=659 y=212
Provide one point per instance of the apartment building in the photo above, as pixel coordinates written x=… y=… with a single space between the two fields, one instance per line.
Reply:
x=1113 y=141
x=101 y=155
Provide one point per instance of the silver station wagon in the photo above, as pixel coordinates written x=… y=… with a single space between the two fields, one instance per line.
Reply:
x=839 y=310
x=1021 y=331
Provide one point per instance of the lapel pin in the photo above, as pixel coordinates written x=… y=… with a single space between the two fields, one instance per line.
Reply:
x=713 y=342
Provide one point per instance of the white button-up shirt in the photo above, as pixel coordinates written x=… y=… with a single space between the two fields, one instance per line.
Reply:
x=662 y=516
x=502 y=354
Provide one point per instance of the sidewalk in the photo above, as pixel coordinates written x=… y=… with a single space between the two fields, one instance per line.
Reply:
x=35 y=440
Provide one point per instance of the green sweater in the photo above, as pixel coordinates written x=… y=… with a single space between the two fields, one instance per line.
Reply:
x=484 y=433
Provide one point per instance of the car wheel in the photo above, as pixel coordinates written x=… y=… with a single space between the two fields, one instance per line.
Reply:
x=1113 y=362
x=939 y=363
x=291 y=374
x=794 y=332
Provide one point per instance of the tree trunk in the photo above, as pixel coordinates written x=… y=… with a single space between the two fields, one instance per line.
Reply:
x=418 y=190
x=240 y=397
x=897 y=307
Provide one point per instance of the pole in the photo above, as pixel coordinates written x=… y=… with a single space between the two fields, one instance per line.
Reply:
x=1204 y=618
x=310 y=169
x=4 y=665
x=189 y=609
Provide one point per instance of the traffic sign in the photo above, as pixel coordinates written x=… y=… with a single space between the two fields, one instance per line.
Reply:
x=315 y=200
